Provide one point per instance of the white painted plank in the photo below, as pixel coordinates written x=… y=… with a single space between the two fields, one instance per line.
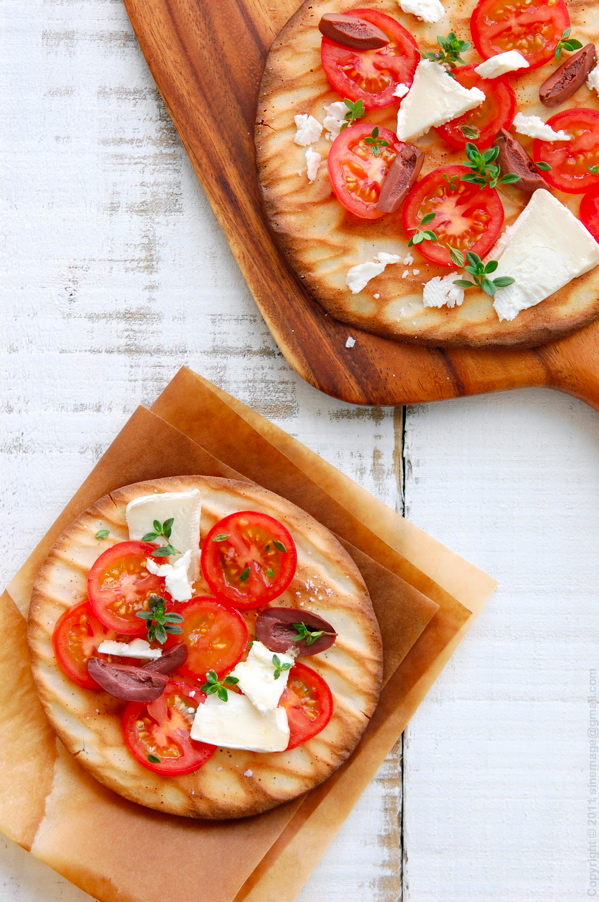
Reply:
x=117 y=274
x=498 y=757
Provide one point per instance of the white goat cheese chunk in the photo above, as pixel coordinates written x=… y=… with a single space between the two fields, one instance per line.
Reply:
x=401 y=90
x=593 y=79
x=501 y=63
x=545 y=249
x=313 y=160
x=138 y=648
x=534 y=127
x=441 y=292
x=175 y=576
x=359 y=276
x=308 y=131
x=237 y=724
x=334 y=118
x=256 y=677
x=427 y=10
x=184 y=507
x=434 y=98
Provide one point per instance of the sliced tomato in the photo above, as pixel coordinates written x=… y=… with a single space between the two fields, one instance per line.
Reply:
x=119 y=584
x=356 y=173
x=160 y=730
x=570 y=160
x=249 y=559
x=467 y=217
x=76 y=637
x=216 y=637
x=589 y=212
x=497 y=111
x=531 y=26
x=308 y=702
x=372 y=75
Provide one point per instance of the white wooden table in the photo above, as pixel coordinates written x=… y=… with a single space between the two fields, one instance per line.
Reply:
x=117 y=274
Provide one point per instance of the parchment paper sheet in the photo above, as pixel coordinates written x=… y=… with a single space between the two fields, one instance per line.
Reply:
x=425 y=598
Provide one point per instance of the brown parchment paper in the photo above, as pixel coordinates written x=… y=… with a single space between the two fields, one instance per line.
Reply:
x=425 y=598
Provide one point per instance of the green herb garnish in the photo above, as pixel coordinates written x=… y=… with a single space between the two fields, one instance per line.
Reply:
x=244 y=575
x=159 y=620
x=279 y=546
x=423 y=235
x=305 y=633
x=593 y=169
x=221 y=537
x=566 y=43
x=214 y=685
x=484 y=170
x=270 y=574
x=452 y=181
x=449 y=55
x=102 y=534
x=545 y=166
x=279 y=668
x=161 y=529
x=469 y=132
x=354 y=111
x=153 y=759
x=376 y=143
x=479 y=272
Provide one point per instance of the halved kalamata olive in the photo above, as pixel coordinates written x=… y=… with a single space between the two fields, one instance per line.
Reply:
x=350 y=31
x=513 y=158
x=275 y=628
x=400 y=179
x=569 y=77
x=126 y=681
x=171 y=659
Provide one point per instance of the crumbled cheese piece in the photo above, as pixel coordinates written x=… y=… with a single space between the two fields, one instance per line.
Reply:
x=434 y=98
x=376 y=296
x=534 y=127
x=415 y=272
x=426 y=10
x=441 y=292
x=359 y=276
x=237 y=724
x=334 y=118
x=545 y=249
x=405 y=274
x=248 y=773
x=593 y=79
x=401 y=90
x=256 y=676
x=407 y=261
x=176 y=576
x=350 y=342
x=184 y=507
x=138 y=648
x=313 y=160
x=501 y=63
x=308 y=131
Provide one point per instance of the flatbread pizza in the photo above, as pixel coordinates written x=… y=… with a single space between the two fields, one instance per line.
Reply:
x=303 y=175
x=311 y=635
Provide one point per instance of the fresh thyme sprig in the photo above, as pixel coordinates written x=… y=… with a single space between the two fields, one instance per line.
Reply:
x=159 y=620
x=566 y=43
x=449 y=55
x=375 y=142
x=214 y=685
x=423 y=234
x=306 y=633
x=102 y=534
x=354 y=111
x=545 y=166
x=279 y=667
x=161 y=529
x=484 y=170
x=480 y=272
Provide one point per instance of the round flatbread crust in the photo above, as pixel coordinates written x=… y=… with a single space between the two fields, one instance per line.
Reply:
x=232 y=783
x=321 y=240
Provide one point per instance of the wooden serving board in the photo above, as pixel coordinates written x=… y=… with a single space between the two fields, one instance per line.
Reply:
x=207 y=58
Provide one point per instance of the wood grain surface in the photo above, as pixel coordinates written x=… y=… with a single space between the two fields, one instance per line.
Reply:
x=207 y=59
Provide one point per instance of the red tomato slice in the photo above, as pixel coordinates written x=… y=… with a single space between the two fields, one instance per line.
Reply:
x=308 y=702
x=356 y=173
x=249 y=559
x=589 y=212
x=496 y=112
x=119 y=585
x=531 y=26
x=160 y=730
x=372 y=75
x=76 y=637
x=467 y=217
x=570 y=160
x=216 y=637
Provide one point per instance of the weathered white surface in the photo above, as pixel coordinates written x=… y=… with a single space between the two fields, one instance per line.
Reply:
x=117 y=274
